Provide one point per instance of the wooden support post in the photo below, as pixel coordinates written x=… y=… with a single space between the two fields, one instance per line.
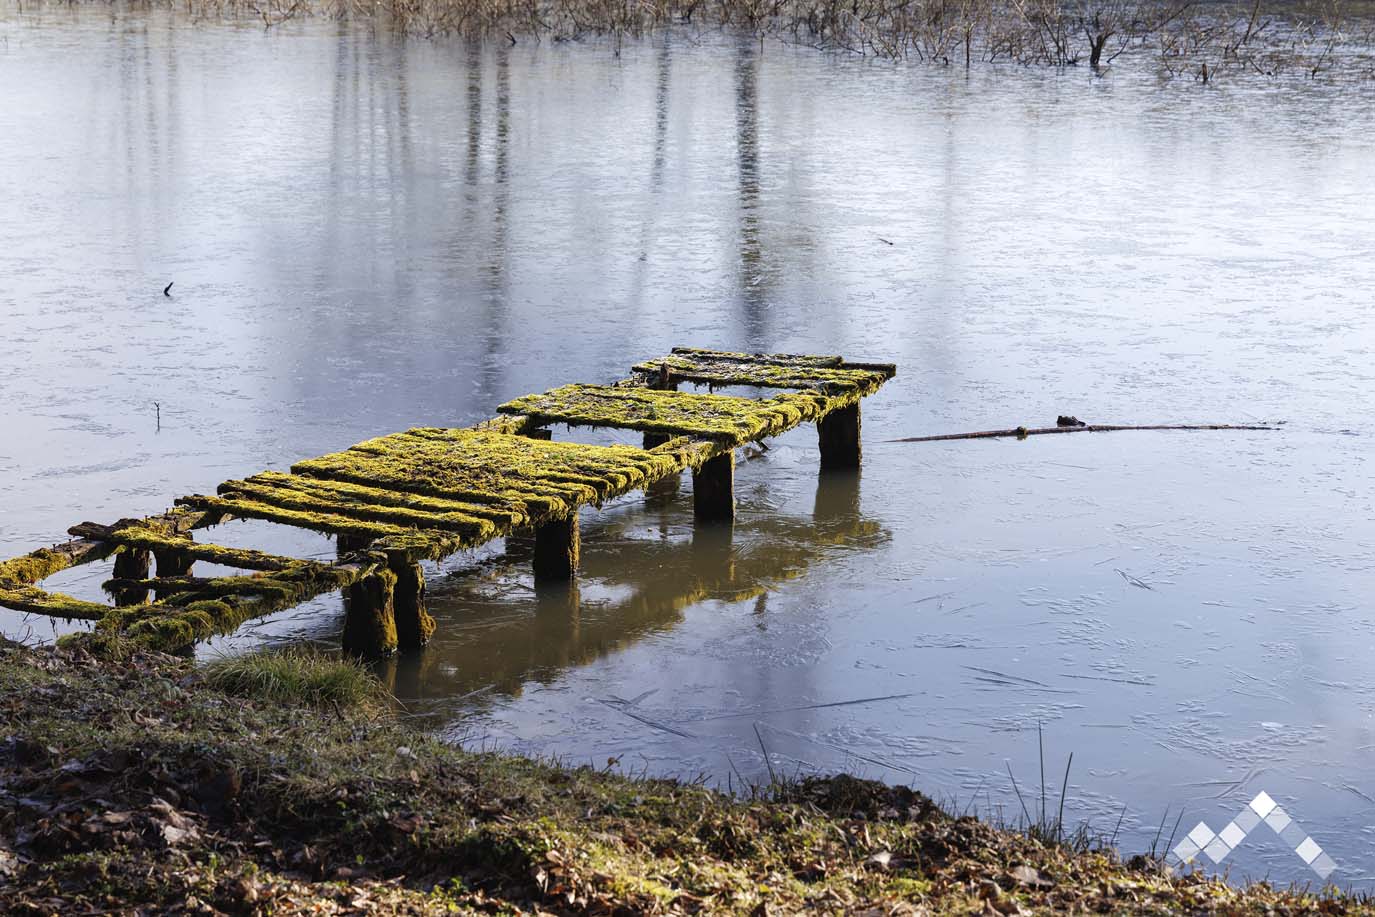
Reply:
x=663 y=384
x=414 y=626
x=131 y=563
x=345 y=543
x=665 y=488
x=713 y=489
x=370 y=616
x=838 y=435
x=557 y=548
x=173 y=562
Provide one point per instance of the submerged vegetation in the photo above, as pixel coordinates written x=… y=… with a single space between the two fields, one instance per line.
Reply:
x=279 y=785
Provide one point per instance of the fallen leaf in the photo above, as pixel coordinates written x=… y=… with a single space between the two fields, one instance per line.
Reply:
x=174 y=836
x=1027 y=875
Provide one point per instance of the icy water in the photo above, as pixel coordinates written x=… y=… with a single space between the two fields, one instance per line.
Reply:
x=366 y=234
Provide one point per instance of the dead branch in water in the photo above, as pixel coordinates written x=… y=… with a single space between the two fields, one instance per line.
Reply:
x=1023 y=432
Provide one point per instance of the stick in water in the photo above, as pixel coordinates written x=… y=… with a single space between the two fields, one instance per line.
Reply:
x=1023 y=432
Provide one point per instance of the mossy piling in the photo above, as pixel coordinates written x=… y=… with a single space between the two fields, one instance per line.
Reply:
x=713 y=489
x=838 y=436
x=558 y=550
x=370 y=616
x=131 y=564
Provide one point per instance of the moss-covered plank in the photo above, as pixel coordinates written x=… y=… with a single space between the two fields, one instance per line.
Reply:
x=179 y=620
x=53 y=604
x=38 y=565
x=828 y=375
x=776 y=359
x=344 y=492
x=243 y=558
x=724 y=418
x=321 y=510
x=431 y=543
x=547 y=479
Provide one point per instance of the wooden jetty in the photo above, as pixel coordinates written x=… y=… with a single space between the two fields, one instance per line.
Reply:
x=426 y=493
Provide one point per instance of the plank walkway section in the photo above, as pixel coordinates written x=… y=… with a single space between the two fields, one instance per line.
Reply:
x=427 y=493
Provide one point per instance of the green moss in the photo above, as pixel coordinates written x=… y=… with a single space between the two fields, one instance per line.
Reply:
x=52 y=604
x=828 y=375
x=721 y=418
x=348 y=498
x=33 y=567
x=221 y=604
x=534 y=479
x=762 y=359
x=137 y=536
x=248 y=508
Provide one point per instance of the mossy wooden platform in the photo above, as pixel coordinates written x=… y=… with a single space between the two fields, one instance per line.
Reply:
x=429 y=492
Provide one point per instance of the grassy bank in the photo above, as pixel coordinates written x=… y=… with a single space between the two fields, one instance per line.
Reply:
x=283 y=788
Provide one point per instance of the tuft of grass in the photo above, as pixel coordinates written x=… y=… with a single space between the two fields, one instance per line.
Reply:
x=298 y=677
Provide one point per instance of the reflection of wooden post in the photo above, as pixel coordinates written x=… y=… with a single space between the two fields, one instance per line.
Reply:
x=414 y=626
x=838 y=435
x=713 y=489
x=370 y=616
x=131 y=563
x=558 y=545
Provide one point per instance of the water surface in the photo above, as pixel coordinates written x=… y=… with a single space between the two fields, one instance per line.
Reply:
x=366 y=234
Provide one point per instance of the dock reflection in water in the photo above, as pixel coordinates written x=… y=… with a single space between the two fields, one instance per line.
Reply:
x=643 y=566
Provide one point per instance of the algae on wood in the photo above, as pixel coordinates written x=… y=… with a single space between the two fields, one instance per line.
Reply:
x=829 y=375
x=722 y=418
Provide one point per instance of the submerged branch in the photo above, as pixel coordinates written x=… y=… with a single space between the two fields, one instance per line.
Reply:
x=1024 y=432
